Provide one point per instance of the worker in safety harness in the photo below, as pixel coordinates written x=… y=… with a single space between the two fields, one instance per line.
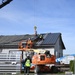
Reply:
x=27 y=65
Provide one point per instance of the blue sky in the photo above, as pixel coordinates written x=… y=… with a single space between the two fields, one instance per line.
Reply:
x=20 y=17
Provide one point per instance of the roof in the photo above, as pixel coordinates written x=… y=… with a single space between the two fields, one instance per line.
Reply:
x=49 y=40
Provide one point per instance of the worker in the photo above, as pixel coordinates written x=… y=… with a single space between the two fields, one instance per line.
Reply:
x=41 y=37
x=27 y=65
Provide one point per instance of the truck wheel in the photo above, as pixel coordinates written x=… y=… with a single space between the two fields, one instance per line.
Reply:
x=54 y=69
x=37 y=69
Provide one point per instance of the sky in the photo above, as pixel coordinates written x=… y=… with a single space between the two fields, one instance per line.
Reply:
x=50 y=16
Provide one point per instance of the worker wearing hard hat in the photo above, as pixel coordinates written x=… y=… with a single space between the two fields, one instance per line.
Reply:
x=27 y=65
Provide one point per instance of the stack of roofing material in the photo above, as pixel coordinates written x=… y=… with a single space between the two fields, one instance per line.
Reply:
x=9 y=63
x=66 y=59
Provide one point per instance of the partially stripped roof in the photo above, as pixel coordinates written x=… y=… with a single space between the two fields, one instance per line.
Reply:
x=49 y=39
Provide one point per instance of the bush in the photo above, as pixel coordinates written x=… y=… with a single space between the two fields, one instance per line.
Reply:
x=72 y=65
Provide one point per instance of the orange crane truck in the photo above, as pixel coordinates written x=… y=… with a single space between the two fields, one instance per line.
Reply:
x=41 y=61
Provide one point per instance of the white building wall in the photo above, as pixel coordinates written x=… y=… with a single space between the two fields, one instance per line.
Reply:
x=51 y=50
x=8 y=50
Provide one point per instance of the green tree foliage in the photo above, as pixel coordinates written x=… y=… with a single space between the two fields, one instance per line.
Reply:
x=72 y=65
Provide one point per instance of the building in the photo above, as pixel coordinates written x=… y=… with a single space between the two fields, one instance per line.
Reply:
x=51 y=41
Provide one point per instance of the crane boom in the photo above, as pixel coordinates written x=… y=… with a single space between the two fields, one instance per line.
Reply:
x=4 y=3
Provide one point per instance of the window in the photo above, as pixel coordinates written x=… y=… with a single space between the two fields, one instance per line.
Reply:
x=42 y=57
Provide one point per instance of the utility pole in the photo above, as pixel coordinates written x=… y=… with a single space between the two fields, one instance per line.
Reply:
x=4 y=3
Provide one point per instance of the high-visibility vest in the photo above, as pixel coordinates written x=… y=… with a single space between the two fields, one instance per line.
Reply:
x=27 y=63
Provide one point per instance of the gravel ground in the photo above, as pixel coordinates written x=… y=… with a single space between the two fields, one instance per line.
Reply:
x=29 y=74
